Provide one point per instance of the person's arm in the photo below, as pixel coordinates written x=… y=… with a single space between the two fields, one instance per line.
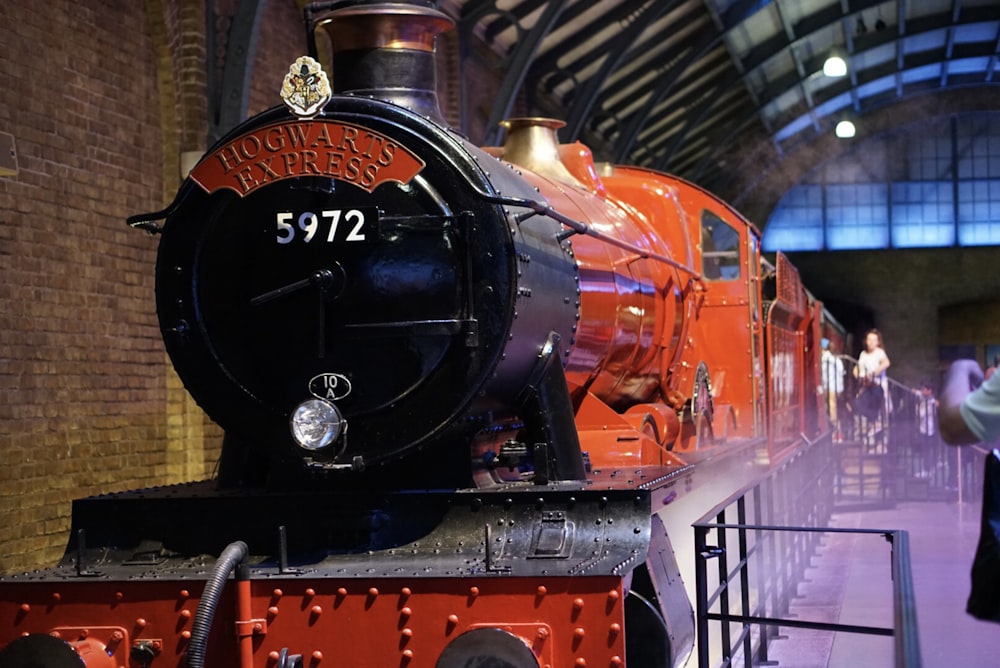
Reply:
x=962 y=377
x=883 y=364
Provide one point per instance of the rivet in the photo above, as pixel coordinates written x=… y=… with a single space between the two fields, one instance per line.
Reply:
x=316 y=610
x=141 y=623
x=542 y=590
x=56 y=596
x=407 y=632
x=405 y=612
x=277 y=593
x=579 y=632
x=184 y=593
x=25 y=607
x=616 y=629
x=373 y=591
x=317 y=656
x=273 y=611
x=341 y=592
x=310 y=592
x=580 y=662
x=186 y=614
x=473 y=592
x=578 y=604
x=186 y=635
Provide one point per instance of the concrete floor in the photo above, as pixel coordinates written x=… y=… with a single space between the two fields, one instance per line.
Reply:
x=849 y=582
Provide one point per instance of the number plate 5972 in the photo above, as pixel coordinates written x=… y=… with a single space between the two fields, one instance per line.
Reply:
x=328 y=226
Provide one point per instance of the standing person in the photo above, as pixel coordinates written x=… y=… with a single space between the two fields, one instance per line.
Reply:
x=927 y=428
x=873 y=361
x=970 y=413
x=873 y=398
x=832 y=379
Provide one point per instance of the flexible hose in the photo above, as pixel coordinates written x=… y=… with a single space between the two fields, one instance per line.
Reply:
x=230 y=558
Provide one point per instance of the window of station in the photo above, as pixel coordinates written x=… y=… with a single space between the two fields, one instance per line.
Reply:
x=933 y=184
x=720 y=248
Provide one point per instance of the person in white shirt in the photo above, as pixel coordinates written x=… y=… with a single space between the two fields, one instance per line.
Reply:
x=927 y=428
x=873 y=360
x=873 y=402
x=831 y=380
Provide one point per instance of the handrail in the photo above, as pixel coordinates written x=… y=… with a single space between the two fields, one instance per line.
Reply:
x=779 y=519
x=904 y=603
x=904 y=631
x=892 y=381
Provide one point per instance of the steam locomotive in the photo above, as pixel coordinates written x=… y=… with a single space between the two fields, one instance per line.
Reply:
x=466 y=393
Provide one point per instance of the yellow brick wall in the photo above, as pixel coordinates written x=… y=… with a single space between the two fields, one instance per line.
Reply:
x=102 y=98
x=82 y=391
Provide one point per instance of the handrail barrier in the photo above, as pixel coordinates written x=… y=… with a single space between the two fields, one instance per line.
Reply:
x=898 y=454
x=778 y=523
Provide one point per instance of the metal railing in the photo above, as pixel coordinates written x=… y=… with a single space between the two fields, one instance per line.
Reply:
x=778 y=523
x=896 y=455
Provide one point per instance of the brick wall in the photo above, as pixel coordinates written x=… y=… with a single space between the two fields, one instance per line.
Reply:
x=102 y=98
x=81 y=364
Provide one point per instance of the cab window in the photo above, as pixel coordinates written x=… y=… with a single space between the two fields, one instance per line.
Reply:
x=720 y=248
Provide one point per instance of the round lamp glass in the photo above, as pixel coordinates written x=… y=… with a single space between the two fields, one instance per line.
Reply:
x=316 y=424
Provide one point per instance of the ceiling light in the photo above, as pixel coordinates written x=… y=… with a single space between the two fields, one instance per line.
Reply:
x=835 y=66
x=844 y=129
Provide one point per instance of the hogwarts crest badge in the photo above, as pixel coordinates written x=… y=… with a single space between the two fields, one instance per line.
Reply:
x=306 y=88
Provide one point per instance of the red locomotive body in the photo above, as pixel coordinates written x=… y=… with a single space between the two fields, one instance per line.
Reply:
x=464 y=391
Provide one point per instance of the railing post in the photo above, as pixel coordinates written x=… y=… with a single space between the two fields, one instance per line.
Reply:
x=741 y=514
x=724 y=609
x=701 y=594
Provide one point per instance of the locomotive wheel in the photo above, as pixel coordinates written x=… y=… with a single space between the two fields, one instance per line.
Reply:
x=489 y=648
x=645 y=423
x=286 y=660
x=702 y=407
x=657 y=421
x=705 y=436
x=40 y=651
x=647 y=641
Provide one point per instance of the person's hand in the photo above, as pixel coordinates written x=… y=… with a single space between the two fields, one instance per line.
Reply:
x=962 y=377
x=968 y=370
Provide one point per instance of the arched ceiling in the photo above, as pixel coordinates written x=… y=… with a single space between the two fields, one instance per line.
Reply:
x=722 y=91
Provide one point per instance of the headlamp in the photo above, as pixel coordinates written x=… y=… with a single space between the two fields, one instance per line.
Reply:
x=316 y=424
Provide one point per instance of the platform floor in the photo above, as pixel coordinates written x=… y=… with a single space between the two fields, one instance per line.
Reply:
x=849 y=582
